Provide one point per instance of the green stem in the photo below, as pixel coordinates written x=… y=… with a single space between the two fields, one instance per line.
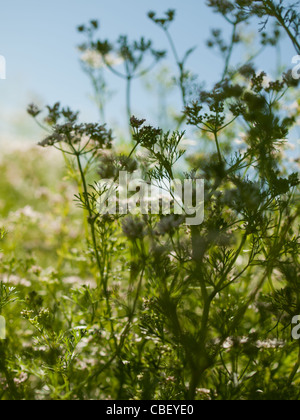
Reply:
x=273 y=12
x=295 y=370
x=128 y=100
x=218 y=146
x=91 y=216
x=92 y=221
x=180 y=67
x=230 y=51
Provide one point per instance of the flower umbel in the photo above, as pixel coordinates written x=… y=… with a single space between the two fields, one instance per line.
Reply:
x=93 y=136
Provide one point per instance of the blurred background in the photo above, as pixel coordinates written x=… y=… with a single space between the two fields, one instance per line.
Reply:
x=39 y=41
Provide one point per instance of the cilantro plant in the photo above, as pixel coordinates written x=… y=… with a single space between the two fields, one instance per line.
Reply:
x=145 y=306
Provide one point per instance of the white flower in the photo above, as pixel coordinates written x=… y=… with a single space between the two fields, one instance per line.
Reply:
x=270 y=344
x=203 y=391
x=27 y=212
x=266 y=81
x=95 y=60
x=185 y=143
x=92 y=58
x=15 y=281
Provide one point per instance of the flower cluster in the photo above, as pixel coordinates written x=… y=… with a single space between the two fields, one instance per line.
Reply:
x=133 y=53
x=208 y=121
x=217 y=40
x=133 y=228
x=95 y=135
x=136 y=123
x=146 y=136
x=111 y=164
x=165 y=21
x=55 y=114
x=33 y=110
x=169 y=224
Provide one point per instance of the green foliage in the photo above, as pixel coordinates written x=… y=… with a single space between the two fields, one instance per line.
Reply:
x=102 y=306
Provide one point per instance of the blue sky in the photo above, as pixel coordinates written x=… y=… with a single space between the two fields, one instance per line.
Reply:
x=39 y=38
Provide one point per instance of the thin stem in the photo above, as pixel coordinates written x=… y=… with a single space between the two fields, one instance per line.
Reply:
x=115 y=72
x=92 y=221
x=295 y=369
x=43 y=127
x=99 y=93
x=180 y=67
x=224 y=276
x=128 y=99
x=90 y=213
x=273 y=11
x=230 y=51
x=218 y=146
x=124 y=334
